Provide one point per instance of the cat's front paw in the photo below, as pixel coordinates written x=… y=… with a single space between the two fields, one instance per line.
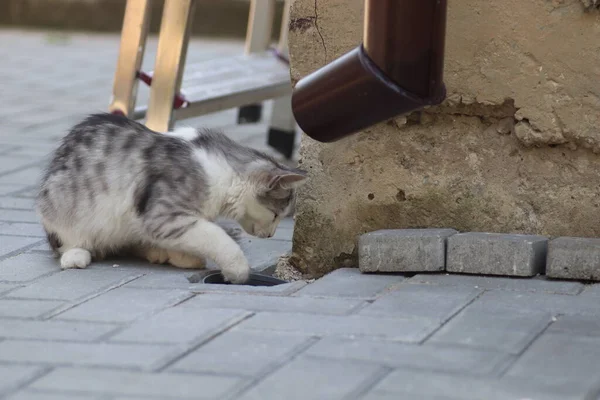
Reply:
x=237 y=272
x=75 y=258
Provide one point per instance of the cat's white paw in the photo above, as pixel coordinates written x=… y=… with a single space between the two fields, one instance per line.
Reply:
x=237 y=272
x=156 y=256
x=183 y=260
x=75 y=258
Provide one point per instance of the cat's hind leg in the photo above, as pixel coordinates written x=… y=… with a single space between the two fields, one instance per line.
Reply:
x=75 y=258
x=183 y=260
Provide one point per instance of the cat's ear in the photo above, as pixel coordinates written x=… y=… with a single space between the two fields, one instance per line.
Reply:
x=283 y=179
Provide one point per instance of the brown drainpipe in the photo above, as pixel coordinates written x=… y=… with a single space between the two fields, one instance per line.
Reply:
x=398 y=69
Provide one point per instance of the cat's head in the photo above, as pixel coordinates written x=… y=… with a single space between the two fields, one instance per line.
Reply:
x=271 y=198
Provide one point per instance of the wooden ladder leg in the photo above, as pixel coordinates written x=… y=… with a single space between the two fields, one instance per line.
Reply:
x=131 y=54
x=173 y=41
x=258 y=38
x=282 y=128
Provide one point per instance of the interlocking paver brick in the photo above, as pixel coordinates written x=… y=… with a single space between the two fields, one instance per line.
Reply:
x=403 y=329
x=34 y=395
x=27 y=267
x=17 y=203
x=350 y=282
x=145 y=385
x=75 y=284
x=13 y=376
x=414 y=384
x=308 y=379
x=85 y=354
x=493 y=328
x=178 y=325
x=304 y=304
x=21 y=229
x=242 y=353
x=31 y=174
x=18 y=215
x=428 y=357
x=6 y=287
x=591 y=291
x=27 y=308
x=52 y=330
x=10 y=244
x=540 y=284
x=574 y=360
x=574 y=258
x=576 y=325
x=403 y=250
x=496 y=254
x=435 y=302
x=124 y=305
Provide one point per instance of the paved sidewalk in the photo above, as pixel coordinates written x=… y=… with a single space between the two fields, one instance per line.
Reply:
x=125 y=330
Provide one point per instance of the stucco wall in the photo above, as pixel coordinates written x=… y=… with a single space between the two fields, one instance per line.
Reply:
x=515 y=148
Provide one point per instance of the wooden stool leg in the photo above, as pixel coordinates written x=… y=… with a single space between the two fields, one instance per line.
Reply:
x=170 y=61
x=131 y=54
x=282 y=128
x=258 y=38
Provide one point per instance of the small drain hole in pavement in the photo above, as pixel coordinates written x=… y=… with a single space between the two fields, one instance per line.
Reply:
x=254 y=280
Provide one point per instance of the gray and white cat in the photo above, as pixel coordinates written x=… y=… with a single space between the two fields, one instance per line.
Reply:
x=114 y=186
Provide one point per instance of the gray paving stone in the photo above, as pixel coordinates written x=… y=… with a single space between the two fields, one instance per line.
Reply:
x=85 y=354
x=11 y=244
x=7 y=287
x=350 y=282
x=401 y=329
x=308 y=305
x=26 y=267
x=493 y=328
x=21 y=229
x=574 y=258
x=145 y=385
x=17 y=203
x=179 y=325
x=32 y=174
x=311 y=379
x=537 y=302
x=576 y=325
x=21 y=308
x=279 y=290
x=574 y=361
x=72 y=285
x=13 y=376
x=32 y=395
x=163 y=278
x=591 y=291
x=403 y=250
x=18 y=215
x=538 y=284
x=124 y=305
x=412 y=384
x=496 y=254
x=11 y=328
x=428 y=357
x=438 y=303
x=242 y=353
x=263 y=253
x=10 y=189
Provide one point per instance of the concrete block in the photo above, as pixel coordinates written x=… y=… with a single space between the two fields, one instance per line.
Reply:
x=85 y=354
x=124 y=305
x=181 y=325
x=349 y=282
x=496 y=254
x=403 y=250
x=310 y=305
x=27 y=267
x=422 y=357
x=539 y=284
x=574 y=360
x=146 y=385
x=307 y=378
x=574 y=258
x=13 y=376
x=22 y=229
x=27 y=308
x=232 y=354
x=438 y=303
x=11 y=244
x=391 y=328
x=11 y=328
